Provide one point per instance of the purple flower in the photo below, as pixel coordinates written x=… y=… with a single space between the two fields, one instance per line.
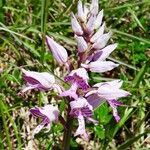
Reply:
x=41 y=81
x=79 y=79
x=58 y=51
x=89 y=29
x=81 y=109
x=109 y=91
x=48 y=114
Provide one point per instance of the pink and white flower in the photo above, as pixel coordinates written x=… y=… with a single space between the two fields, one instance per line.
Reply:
x=81 y=109
x=48 y=114
x=79 y=79
x=109 y=91
x=39 y=80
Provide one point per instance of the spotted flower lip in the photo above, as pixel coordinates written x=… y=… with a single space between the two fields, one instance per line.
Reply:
x=48 y=114
x=80 y=77
x=81 y=109
x=39 y=80
x=58 y=51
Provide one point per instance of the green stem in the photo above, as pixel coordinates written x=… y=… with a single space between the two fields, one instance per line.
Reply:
x=45 y=4
x=67 y=132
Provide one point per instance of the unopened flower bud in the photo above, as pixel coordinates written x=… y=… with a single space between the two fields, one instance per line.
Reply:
x=58 y=51
x=75 y=25
x=102 y=41
x=98 y=20
x=81 y=43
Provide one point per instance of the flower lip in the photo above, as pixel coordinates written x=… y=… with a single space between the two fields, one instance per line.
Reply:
x=81 y=106
x=80 y=77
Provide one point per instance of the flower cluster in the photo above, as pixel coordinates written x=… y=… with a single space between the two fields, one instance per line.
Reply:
x=92 y=52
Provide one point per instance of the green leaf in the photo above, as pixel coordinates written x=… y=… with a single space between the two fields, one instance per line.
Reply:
x=100 y=132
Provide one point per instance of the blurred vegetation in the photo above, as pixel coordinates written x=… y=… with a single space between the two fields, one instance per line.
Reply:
x=22 y=25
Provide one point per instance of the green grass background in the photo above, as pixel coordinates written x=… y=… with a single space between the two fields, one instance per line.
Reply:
x=22 y=25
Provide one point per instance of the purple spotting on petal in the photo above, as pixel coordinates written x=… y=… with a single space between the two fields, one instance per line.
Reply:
x=76 y=79
x=81 y=106
x=116 y=103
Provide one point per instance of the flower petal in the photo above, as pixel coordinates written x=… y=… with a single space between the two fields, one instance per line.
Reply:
x=101 y=66
x=38 y=129
x=105 y=52
x=50 y=111
x=42 y=78
x=81 y=43
x=94 y=100
x=90 y=25
x=114 y=108
x=81 y=14
x=81 y=128
x=94 y=7
x=98 y=20
x=108 y=92
x=102 y=41
x=71 y=92
x=98 y=33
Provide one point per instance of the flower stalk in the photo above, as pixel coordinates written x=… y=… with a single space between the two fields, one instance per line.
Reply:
x=67 y=131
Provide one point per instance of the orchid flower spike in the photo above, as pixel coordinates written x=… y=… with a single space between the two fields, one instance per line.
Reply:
x=80 y=108
x=58 y=51
x=41 y=81
x=48 y=114
x=109 y=91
